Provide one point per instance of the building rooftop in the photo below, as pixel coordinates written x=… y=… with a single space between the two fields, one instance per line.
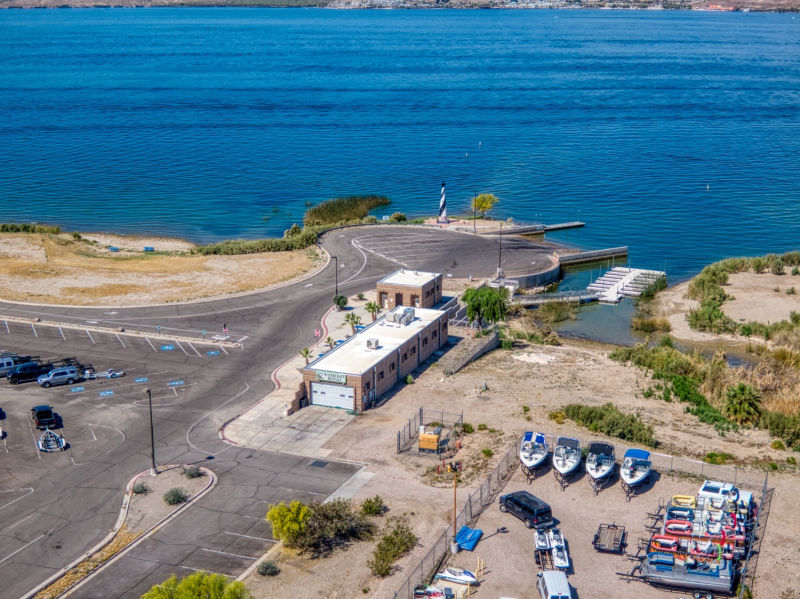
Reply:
x=354 y=357
x=410 y=278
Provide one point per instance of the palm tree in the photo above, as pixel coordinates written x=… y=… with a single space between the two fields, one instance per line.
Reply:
x=305 y=352
x=742 y=404
x=374 y=309
x=329 y=341
x=353 y=319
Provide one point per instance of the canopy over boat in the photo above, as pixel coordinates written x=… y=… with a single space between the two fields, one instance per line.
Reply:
x=568 y=442
x=601 y=448
x=638 y=454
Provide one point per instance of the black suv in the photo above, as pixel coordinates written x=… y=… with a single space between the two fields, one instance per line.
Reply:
x=43 y=417
x=534 y=512
x=29 y=371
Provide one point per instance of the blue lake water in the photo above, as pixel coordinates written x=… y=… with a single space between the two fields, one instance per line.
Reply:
x=675 y=133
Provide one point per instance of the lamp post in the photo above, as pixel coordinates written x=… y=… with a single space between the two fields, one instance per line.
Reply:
x=500 y=250
x=336 y=264
x=153 y=469
x=474 y=210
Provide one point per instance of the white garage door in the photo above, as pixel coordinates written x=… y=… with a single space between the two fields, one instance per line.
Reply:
x=333 y=396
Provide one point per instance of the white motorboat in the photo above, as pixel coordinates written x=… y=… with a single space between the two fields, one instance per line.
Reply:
x=567 y=455
x=458 y=575
x=635 y=467
x=533 y=450
x=600 y=460
x=541 y=539
x=560 y=555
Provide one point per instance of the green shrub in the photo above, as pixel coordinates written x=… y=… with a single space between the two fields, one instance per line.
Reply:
x=782 y=426
x=487 y=453
x=139 y=488
x=556 y=311
x=791 y=460
x=397 y=542
x=398 y=217
x=28 y=228
x=409 y=379
x=609 y=420
x=773 y=466
x=344 y=209
x=331 y=525
x=720 y=458
x=340 y=301
x=795 y=271
x=742 y=404
x=197 y=585
x=482 y=427
x=791 y=291
x=557 y=416
x=373 y=506
x=360 y=297
x=192 y=472
x=507 y=344
x=777 y=445
x=651 y=290
x=467 y=428
x=526 y=409
x=76 y=236
x=650 y=324
x=289 y=521
x=176 y=496
x=268 y=568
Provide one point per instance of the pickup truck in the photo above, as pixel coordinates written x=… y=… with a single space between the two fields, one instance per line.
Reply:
x=27 y=371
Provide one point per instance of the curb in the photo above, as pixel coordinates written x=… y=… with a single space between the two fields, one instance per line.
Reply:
x=123 y=513
x=276 y=382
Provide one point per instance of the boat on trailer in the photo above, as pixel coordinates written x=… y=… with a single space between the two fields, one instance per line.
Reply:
x=600 y=460
x=50 y=442
x=671 y=570
x=560 y=555
x=567 y=455
x=458 y=575
x=533 y=450
x=541 y=540
x=635 y=467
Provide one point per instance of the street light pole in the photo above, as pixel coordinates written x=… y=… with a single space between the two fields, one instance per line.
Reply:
x=474 y=210
x=153 y=469
x=500 y=250
x=336 y=264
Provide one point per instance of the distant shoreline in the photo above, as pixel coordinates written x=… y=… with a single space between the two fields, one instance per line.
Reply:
x=765 y=6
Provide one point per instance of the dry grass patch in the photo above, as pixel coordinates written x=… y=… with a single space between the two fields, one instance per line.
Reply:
x=122 y=539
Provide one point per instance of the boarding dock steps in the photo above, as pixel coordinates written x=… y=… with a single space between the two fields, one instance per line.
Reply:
x=622 y=282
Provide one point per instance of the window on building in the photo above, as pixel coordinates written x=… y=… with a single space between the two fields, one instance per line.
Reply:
x=380 y=375
x=434 y=334
x=367 y=386
x=391 y=367
x=405 y=356
x=424 y=342
x=413 y=350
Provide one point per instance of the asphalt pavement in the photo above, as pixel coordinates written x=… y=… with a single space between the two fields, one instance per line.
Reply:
x=53 y=507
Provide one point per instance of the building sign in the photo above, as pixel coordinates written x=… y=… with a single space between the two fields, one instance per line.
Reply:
x=331 y=377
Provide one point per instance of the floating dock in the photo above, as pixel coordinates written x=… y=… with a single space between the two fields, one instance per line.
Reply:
x=622 y=282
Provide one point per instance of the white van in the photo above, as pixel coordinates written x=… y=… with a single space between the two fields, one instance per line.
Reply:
x=6 y=364
x=552 y=584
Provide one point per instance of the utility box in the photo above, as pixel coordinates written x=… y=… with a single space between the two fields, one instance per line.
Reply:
x=430 y=440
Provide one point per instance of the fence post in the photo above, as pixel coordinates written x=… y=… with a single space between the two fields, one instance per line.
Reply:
x=398 y=441
x=421 y=417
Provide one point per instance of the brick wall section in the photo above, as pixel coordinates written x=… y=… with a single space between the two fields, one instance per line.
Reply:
x=429 y=294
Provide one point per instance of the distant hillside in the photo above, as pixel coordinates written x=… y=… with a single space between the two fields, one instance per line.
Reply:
x=755 y=5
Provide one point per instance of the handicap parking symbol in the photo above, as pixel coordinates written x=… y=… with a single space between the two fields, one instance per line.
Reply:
x=76 y=389
x=175 y=383
x=142 y=379
x=167 y=347
x=106 y=393
x=213 y=352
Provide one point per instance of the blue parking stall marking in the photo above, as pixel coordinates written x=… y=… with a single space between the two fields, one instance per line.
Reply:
x=175 y=383
x=167 y=347
x=108 y=393
x=76 y=389
x=213 y=352
x=142 y=379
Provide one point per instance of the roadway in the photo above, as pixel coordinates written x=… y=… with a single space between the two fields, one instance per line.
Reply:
x=53 y=507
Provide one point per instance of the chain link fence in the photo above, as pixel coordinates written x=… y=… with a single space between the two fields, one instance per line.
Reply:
x=407 y=436
x=478 y=501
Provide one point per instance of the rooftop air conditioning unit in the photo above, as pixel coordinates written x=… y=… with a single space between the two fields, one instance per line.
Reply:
x=372 y=343
x=391 y=317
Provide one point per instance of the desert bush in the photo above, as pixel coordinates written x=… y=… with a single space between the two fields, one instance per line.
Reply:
x=742 y=404
x=192 y=472
x=398 y=217
x=651 y=290
x=344 y=209
x=556 y=311
x=650 y=324
x=176 y=496
x=609 y=420
x=487 y=453
x=507 y=344
x=720 y=458
x=373 y=506
x=28 y=228
x=467 y=428
x=398 y=541
x=288 y=521
x=340 y=301
x=782 y=426
x=777 y=445
x=331 y=525
x=409 y=379
x=196 y=585
x=268 y=568
x=140 y=488
x=557 y=416
x=482 y=427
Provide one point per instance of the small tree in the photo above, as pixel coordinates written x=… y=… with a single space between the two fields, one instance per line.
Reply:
x=374 y=309
x=486 y=304
x=398 y=217
x=330 y=342
x=340 y=301
x=742 y=404
x=199 y=584
x=288 y=521
x=305 y=352
x=484 y=202
x=353 y=320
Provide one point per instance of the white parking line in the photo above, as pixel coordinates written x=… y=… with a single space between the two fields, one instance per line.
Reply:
x=29 y=489
x=90 y=338
x=7 y=331
x=242 y=339
x=193 y=348
x=21 y=548
x=226 y=553
x=120 y=340
x=150 y=342
x=227 y=532
x=203 y=570
x=34 y=330
x=223 y=349
x=35 y=444
x=62 y=334
x=179 y=345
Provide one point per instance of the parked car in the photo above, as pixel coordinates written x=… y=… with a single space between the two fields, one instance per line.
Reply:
x=28 y=371
x=59 y=376
x=43 y=416
x=9 y=361
x=553 y=584
x=534 y=512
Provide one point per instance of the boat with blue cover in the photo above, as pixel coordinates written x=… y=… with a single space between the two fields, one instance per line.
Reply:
x=533 y=450
x=635 y=467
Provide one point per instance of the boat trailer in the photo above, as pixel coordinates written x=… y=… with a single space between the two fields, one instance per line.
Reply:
x=599 y=485
x=531 y=472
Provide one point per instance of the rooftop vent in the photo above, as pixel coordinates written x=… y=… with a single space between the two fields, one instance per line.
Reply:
x=372 y=343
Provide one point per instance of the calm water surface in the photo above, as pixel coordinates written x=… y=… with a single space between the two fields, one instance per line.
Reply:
x=675 y=133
